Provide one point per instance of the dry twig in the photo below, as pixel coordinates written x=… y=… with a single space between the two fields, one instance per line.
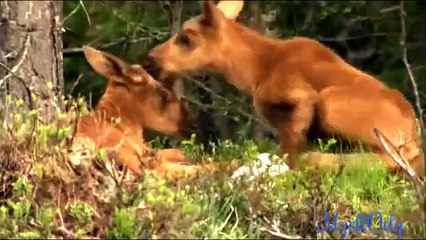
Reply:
x=12 y=72
x=242 y=112
x=403 y=163
x=20 y=61
x=275 y=231
x=125 y=39
x=402 y=42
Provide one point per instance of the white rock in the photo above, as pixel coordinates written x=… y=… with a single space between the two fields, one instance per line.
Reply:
x=265 y=166
x=264 y=158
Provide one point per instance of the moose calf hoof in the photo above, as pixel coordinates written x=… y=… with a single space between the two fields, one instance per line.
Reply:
x=173 y=155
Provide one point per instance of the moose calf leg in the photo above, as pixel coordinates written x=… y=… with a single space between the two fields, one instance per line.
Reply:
x=173 y=155
x=173 y=170
x=356 y=116
x=130 y=159
x=160 y=164
x=291 y=113
x=292 y=133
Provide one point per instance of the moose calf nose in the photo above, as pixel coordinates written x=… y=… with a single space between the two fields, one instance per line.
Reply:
x=187 y=130
x=152 y=67
x=188 y=127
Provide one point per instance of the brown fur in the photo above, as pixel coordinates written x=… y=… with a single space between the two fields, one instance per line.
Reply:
x=133 y=101
x=290 y=80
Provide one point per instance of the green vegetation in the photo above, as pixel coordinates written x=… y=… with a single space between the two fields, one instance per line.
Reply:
x=42 y=195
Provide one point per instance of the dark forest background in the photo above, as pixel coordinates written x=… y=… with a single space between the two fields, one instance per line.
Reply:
x=368 y=34
x=43 y=195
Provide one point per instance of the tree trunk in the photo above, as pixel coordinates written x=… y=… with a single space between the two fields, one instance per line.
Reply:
x=34 y=49
x=175 y=22
x=204 y=119
x=4 y=26
x=260 y=23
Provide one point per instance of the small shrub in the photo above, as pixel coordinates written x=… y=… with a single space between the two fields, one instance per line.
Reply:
x=42 y=196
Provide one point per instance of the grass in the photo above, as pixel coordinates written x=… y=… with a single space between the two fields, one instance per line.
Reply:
x=43 y=196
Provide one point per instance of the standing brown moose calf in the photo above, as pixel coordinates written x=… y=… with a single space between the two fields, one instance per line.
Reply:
x=133 y=101
x=291 y=81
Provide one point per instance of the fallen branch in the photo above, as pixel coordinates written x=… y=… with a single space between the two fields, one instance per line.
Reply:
x=12 y=72
x=402 y=42
x=403 y=163
x=62 y=229
x=125 y=39
x=275 y=231
x=18 y=65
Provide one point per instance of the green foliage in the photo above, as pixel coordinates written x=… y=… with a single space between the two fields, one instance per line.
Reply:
x=325 y=147
x=47 y=216
x=125 y=224
x=213 y=205
x=365 y=33
x=42 y=196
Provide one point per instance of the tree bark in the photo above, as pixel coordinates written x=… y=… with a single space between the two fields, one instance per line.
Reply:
x=175 y=22
x=34 y=46
x=206 y=133
x=260 y=23
x=4 y=26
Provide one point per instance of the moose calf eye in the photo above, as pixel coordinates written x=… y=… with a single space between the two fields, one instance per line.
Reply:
x=184 y=41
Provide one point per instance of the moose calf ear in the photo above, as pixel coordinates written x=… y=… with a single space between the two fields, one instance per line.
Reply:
x=211 y=15
x=104 y=63
x=230 y=9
